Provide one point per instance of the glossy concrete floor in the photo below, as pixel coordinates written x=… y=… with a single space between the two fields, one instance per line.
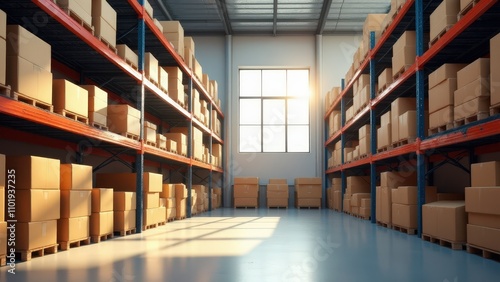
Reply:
x=261 y=245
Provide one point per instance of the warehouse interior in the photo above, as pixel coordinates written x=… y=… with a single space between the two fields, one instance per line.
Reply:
x=244 y=140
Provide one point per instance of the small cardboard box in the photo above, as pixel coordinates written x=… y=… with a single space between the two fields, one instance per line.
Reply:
x=76 y=203
x=150 y=131
x=480 y=68
x=101 y=223
x=151 y=200
x=161 y=141
x=127 y=54
x=442 y=95
x=407 y=195
x=102 y=199
x=76 y=177
x=104 y=29
x=163 y=78
x=168 y=191
x=402 y=58
x=445 y=220
x=124 y=201
x=98 y=100
x=478 y=88
x=482 y=199
x=489 y=169
x=394 y=179
x=181 y=191
x=73 y=229
x=38 y=205
x=384 y=136
x=356 y=199
x=36 y=235
x=443 y=73
x=34 y=172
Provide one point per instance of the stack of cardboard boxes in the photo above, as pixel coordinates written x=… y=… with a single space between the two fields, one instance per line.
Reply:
x=3 y=224
x=442 y=86
x=70 y=98
x=168 y=196
x=365 y=210
x=201 y=193
x=446 y=221
x=390 y=180
x=364 y=141
x=217 y=153
x=218 y=195
x=176 y=142
x=151 y=68
x=175 y=86
x=173 y=31
x=333 y=123
x=495 y=71
x=356 y=204
x=277 y=193
x=481 y=205
x=81 y=8
x=29 y=61
x=3 y=46
x=246 y=192
x=38 y=197
x=124 y=212
x=384 y=80
x=337 y=194
x=373 y=23
x=152 y=189
x=472 y=97
x=104 y=21
x=384 y=138
x=308 y=192
x=128 y=55
x=404 y=205
x=443 y=17
x=361 y=92
x=181 y=195
x=355 y=185
x=76 y=199
x=101 y=219
x=404 y=121
x=403 y=53
x=97 y=105
x=150 y=133
x=189 y=51
x=124 y=120
x=197 y=140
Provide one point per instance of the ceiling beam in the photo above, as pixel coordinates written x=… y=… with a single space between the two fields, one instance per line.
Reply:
x=221 y=5
x=275 y=17
x=324 y=15
x=164 y=9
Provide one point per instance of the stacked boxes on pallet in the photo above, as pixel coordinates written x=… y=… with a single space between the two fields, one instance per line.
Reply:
x=217 y=153
x=481 y=204
x=364 y=140
x=173 y=31
x=472 y=97
x=356 y=200
x=189 y=51
x=337 y=193
x=128 y=55
x=168 y=196
x=29 y=62
x=404 y=121
x=151 y=68
x=181 y=194
x=38 y=198
x=76 y=199
x=445 y=220
x=361 y=92
x=365 y=210
x=373 y=23
x=404 y=205
x=443 y=17
x=81 y=8
x=384 y=79
x=201 y=193
x=97 y=105
x=355 y=185
x=218 y=195
x=124 y=212
x=69 y=97
x=494 y=71
x=101 y=219
x=384 y=138
x=308 y=192
x=277 y=193
x=246 y=192
x=197 y=140
x=390 y=180
x=104 y=21
x=403 y=53
x=4 y=185
x=150 y=133
x=177 y=142
x=442 y=86
x=124 y=119
x=175 y=86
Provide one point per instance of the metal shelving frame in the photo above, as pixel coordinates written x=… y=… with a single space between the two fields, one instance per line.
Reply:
x=83 y=57
x=464 y=42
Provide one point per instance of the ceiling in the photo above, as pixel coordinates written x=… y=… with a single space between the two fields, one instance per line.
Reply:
x=269 y=17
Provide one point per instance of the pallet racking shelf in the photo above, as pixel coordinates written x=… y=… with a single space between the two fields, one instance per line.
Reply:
x=464 y=42
x=83 y=57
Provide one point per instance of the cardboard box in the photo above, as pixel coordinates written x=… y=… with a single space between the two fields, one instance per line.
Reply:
x=365 y=146
x=124 y=201
x=277 y=202
x=102 y=199
x=366 y=202
x=356 y=198
x=3 y=25
x=123 y=119
x=246 y=180
x=3 y=234
x=483 y=237
x=442 y=95
x=404 y=216
x=151 y=67
x=444 y=72
x=151 y=200
x=150 y=132
x=174 y=73
x=73 y=229
x=385 y=78
x=181 y=141
x=480 y=68
x=180 y=208
x=443 y=16
x=245 y=191
x=386 y=205
x=161 y=215
x=149 y=217
x=158 y=25
x=401 y=106
x=489 y=169
x=384 y=136
x=28 y=46
x=407 y=195
x=308 y=202
x=29 y=79
x=170 y=203
x=373 y=23
x=445 y=220
x=124 y=220
x=171 y=213
x=3 y=170
x=478 y=88
x=308 y=191
x=148 y=8
x=441 y=117
x=472 y=108
x=394 y=179
x=408 y=125
x=101 y=223
x=181 y=191
x=37 y=205
x=76 y=177
x=98 y=100
x=385 y=119
x=127 y=54
x=101 y=8
x=364 y=131
x=35 y=235
x=168 y=191
x=346 y=206
x=163 y=79
x=482 y=199
x=75 y=203
x=365 y=212
x=2 y=203
x=172 y=27
x=153 y=182
x=482 y=219
x=246 y=202
x=3 y=59
x=104 y=30
x=401 y=58
x=34 y=172
x=359 y=181
x=495 y=70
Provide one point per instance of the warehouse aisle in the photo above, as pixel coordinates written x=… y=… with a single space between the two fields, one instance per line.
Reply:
x=261 y=245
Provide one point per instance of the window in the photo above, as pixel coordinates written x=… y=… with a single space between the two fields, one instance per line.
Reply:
x=274 y=110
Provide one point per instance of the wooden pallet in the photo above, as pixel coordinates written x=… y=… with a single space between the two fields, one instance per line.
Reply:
x=31 y=101
x=495 y=110
x=249 y=207
x=151 y=143
x=99 y=126
x=406 y=230
x=484 y=252
x=337 y=210
x=156 y=83
x=151 y=226
x=63 y=246
x=78 y=19
x=130 y=63
x=277 y=207
x=400 y=72
x=467 y=9
x=170 y=219
x=383 y=224
x=363 y=156
x=73 y=116
x=439 y=35
x=5 y=90
x=382 y=88
x=308 y=208
x=361 y=217
x=130 y=135
x=124 y=232
x=441 y=128
x=385 y=148
x=40 y=252
x=472 y=118
x=442 y=242
x=98 y=239
x=180 y=217
x=3 y=261
x=404 y=142
x=109 y=45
